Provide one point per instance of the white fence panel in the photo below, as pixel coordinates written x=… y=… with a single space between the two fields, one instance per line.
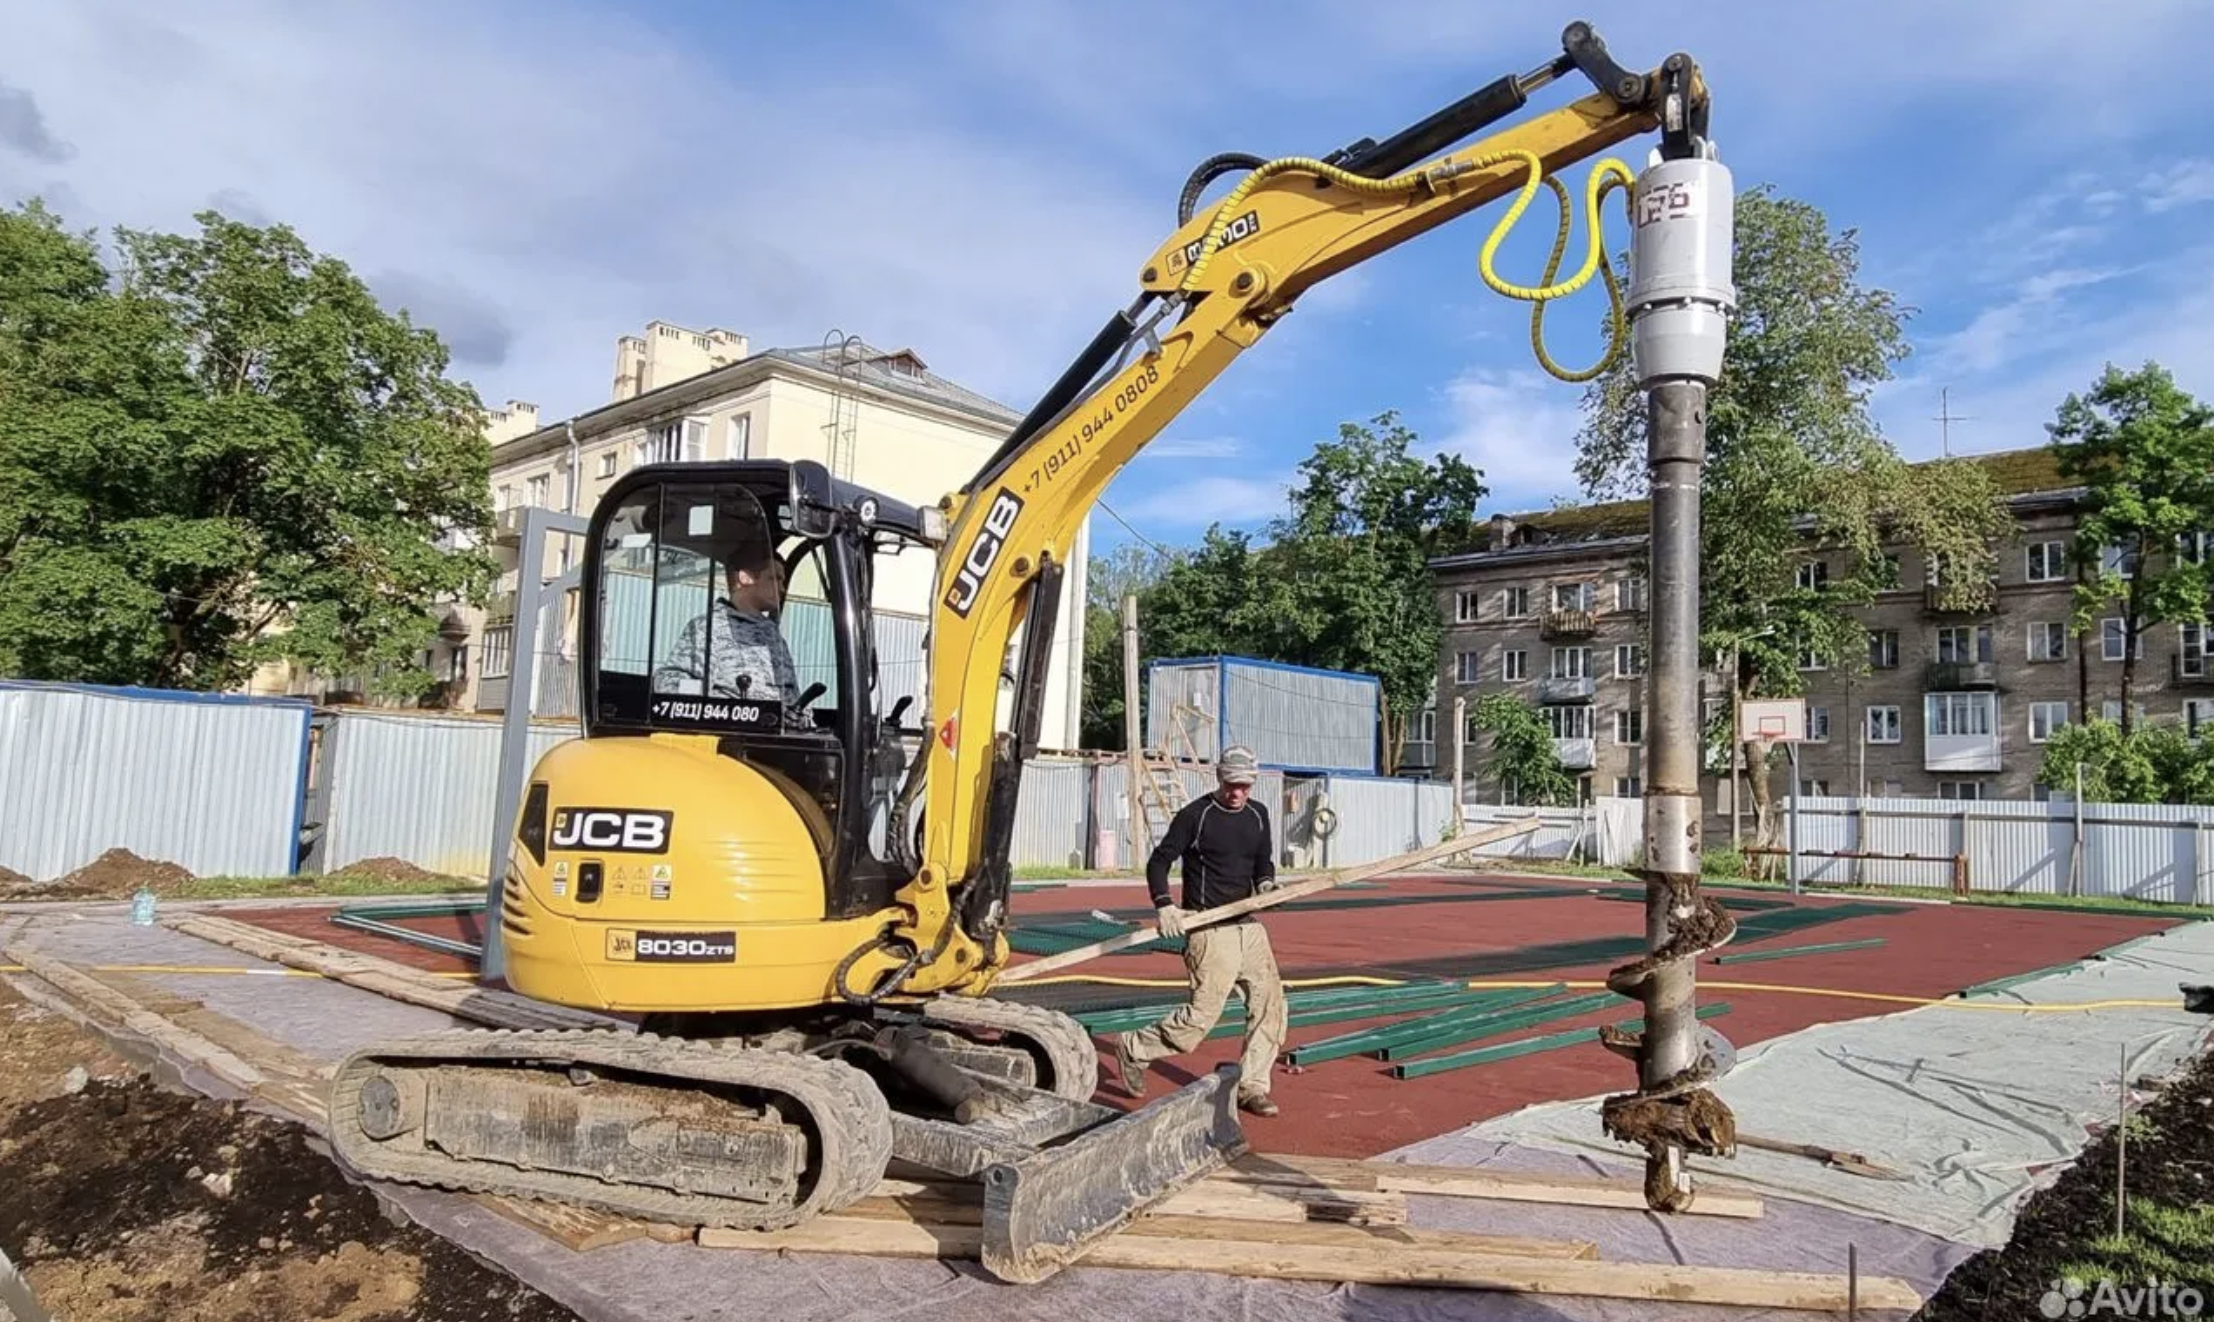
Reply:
x=214 y=783
x=1556 y=838
x=1053 y=815
x=417 y=787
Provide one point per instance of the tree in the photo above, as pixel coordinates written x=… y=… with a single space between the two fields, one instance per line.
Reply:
x=1108 y=578
x=1796 y=469
x=1349 y=585
x=1523 y=760
x=2142 y=764
x=223 y=453
x=2144 y=451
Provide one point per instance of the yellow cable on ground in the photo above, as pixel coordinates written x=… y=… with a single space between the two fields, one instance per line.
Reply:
x=1949 y=1002
x=1109 y=980
x=1606 y=176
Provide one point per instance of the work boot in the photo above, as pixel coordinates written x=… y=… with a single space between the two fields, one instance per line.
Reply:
x=1126 y=1065
x=1258 y=1104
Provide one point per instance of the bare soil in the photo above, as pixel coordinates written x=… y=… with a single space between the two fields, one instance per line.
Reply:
x=114 y=875
x=127 y=1202
x=2066 y=1229
x=391 y=869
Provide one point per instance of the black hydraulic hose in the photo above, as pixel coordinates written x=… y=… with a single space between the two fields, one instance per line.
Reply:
x=1211 y=169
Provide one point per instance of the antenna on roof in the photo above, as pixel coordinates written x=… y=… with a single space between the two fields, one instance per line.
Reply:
x=1946 y=418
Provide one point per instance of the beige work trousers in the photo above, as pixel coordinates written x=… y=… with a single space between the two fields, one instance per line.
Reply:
x=1219 y=958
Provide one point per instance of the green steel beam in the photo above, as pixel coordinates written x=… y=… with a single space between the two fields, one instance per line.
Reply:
x=1369 y=1039
x=1453 y=1034
x=1415 y=1069
x=1786 y=952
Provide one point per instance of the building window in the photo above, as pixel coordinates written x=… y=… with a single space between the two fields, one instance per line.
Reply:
x=1629 y=787
x=1964 y=644
x=1960 y=789
x=1883 y=725
x=538 y=490
x=1572 y=596
x=2113 y=637
x=1818 y=725
x=1629 y=725
x=681 y=441
x=1883 y=649
x=2048 y=640
x=2191 y=651
x=607 y=463
x=1514 y=664
x=2120 y=560
x=2044 y=718
x=1809 y=659
x=741 y=436
x=2197 y=714
x=1571 y=721
x=1814 y=575
x=1812 y=788
x=1959 y=714
x=2192 y=547
x=1629 y=660
x=1570 y=663
x=1515 y=603
x=1629 y=593
x=2045 y=562
x=499 y=646
x=2111 y=709
x=1464 y=606
x=1426 y=727
x=1469 y=667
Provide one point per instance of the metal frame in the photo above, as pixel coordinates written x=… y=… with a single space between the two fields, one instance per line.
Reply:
x=532 y=590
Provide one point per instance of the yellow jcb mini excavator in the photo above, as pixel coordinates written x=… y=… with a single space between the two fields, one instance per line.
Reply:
x=805 y=915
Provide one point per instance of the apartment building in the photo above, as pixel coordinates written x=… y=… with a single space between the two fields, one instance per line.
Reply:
x=1954 y=704
x=878 y=417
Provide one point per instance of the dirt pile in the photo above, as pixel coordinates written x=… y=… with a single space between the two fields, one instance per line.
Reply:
x=129 y=1203
x=392 y=869
x=115 y=875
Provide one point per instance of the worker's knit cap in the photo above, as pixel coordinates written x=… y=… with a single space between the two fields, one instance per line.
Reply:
x=1237 y=766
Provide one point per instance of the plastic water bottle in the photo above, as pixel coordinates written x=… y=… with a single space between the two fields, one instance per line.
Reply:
x=142 y=907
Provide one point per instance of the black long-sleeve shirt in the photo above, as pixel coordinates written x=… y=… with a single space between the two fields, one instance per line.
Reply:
x=1227 y=854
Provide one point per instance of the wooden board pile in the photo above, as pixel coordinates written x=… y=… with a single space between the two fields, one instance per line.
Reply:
x=1272 y=1216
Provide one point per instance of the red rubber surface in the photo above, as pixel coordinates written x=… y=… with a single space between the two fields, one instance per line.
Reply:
x=1353 y=1107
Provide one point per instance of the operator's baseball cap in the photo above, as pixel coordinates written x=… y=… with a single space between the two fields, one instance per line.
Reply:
x=1237 y=766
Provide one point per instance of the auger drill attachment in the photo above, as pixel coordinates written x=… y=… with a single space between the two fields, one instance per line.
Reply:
x=1682 y=211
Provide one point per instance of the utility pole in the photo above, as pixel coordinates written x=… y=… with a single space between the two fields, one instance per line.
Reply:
x=1133 y=738
x=1681 y=296
x=1460 y=743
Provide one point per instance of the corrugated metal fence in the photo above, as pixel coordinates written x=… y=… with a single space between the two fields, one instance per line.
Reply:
x=2133 y=850
x=415 y=786
x=211 y=782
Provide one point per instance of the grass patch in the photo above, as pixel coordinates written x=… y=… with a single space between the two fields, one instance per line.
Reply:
x=337 y=883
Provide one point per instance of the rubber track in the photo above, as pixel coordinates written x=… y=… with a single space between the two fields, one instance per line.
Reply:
x=853 y=1123
x=1068 y=1047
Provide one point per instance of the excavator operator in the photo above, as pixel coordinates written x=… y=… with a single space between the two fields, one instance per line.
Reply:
x=735 y=646
x=1228 y=853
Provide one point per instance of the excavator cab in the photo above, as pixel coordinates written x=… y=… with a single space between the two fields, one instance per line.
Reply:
x=737 y=601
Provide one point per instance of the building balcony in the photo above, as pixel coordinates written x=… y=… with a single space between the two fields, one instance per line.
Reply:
x=1558 y=624
x=1556 y=690
x=499 y=608
x=1961 y=752
x=1962 y=676
x=1575 y=754
x=2192 y=671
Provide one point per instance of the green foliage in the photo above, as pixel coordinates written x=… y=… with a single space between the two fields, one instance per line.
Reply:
x=1795 y=467
x=1522 y=754
x=222 y=453
x=2144 y=449
x=2138 y=764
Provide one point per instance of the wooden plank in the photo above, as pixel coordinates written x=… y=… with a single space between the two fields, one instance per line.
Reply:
x=962 y=1203
x=578 y=1229
x=1383 y=1263
x=1475 y=1182
x=1145 y=932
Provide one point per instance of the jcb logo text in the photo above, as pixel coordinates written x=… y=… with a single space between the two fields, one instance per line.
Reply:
x=984 y=551
x=616 y=830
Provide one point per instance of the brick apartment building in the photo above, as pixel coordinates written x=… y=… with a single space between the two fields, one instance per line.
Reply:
x=1955 y=705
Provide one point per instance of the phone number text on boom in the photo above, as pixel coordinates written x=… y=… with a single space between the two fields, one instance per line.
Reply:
x=1094 y=427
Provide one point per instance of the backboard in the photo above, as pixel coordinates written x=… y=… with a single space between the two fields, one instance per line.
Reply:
x=1773 y=720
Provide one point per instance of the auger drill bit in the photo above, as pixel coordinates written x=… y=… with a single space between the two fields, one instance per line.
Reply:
x=1682 y=217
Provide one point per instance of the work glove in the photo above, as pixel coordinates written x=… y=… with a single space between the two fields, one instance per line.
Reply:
x=1265 y=885
x=1170 y=919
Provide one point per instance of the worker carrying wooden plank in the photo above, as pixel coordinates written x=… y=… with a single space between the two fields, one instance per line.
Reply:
x=1228 y=854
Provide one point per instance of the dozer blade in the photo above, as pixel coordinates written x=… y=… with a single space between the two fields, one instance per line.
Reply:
x=1042 y=1212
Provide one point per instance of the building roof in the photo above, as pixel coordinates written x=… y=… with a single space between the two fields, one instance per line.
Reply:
x=2016 y=473
x=897 y=372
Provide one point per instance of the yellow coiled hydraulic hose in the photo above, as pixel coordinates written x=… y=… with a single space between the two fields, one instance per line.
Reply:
x=1607 y=176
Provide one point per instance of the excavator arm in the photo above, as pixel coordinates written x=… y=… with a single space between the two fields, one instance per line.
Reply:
x=1209 y=293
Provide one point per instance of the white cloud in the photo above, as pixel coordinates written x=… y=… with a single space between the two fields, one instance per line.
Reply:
x=2181 y=184
x=582 y=177
x=1193 y=503
x=1518 y=430
x=1998 y=334
x=1195 y=447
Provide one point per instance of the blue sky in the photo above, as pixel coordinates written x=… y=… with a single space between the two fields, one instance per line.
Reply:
x=980 y=180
